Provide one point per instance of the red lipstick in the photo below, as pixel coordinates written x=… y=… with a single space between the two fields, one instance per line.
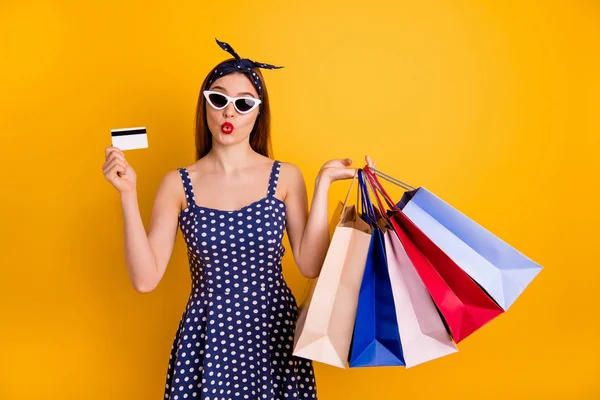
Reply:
x=227 y=128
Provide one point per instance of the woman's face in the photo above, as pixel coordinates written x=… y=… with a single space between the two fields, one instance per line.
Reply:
x=227 y=125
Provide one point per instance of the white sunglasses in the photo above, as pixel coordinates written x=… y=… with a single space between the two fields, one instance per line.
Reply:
x=219 y=101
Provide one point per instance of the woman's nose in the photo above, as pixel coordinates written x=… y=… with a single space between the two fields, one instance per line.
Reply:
x=229 y=111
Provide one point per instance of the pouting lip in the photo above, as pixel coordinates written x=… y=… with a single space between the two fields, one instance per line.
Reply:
x=227 y=127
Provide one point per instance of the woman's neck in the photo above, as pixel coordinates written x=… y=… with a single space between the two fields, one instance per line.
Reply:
x=232 y=157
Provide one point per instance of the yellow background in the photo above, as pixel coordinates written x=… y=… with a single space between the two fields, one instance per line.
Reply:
x=494 y=106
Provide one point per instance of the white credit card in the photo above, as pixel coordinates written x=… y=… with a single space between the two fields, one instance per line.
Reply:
x=129 y=138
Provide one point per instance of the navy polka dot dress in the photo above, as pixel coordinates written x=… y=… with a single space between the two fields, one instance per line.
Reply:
x=236 y=334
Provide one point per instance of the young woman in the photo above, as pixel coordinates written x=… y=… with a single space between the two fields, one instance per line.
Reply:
x=232 y=205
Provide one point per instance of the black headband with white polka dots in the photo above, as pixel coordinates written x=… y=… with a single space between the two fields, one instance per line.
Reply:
x=239 y=64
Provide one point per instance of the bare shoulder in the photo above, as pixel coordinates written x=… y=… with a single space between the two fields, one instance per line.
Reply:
x=171 y=189
x=291 y=171
x=291 y=179
x=171 y=178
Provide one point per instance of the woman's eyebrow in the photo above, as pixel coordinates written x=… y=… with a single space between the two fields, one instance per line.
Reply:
x=239 y=94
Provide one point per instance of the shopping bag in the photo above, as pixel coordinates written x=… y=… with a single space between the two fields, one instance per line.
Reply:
x=424 y=335
x=464 y=305
x=376 y=340
x=501 y=270
x=326 y=321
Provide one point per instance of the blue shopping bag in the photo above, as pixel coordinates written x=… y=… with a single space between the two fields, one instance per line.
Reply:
x=376 y=337
x=501 y=270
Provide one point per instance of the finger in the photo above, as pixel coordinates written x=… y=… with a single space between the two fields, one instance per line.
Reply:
x=114 y=163
x=123 y=171
x=348 y=173
x=119 y=155
x=114 y=172
x=111 y=149
x=115 y=156
x=340 y=163
x=109 y=163
x=343 y=173
x=370 y=162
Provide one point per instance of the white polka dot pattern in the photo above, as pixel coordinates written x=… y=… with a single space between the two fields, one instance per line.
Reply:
x=236 y=334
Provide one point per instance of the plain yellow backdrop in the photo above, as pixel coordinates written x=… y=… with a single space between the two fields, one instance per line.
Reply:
x=494 y=106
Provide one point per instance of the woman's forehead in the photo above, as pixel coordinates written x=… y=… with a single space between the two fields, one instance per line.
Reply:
x=235 y=84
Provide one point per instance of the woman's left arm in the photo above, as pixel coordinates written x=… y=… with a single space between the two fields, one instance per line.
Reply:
x=308 y=232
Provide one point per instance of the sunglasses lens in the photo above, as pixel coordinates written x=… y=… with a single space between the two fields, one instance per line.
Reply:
x=244 y=105
x=218 y=100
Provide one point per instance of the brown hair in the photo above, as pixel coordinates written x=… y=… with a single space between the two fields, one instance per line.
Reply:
x=260 y=137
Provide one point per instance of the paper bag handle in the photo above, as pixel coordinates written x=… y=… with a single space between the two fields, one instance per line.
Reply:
x=348 y=194
x=391 y=179
x=375 y=187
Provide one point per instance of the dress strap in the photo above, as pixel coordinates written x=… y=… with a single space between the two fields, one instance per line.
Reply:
x=187 y=186
x=274 y=178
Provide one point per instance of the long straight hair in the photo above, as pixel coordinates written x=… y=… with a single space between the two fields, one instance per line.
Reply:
x=260 y=137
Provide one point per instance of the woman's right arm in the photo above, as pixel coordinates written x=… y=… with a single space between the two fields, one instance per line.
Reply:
x=146 y=254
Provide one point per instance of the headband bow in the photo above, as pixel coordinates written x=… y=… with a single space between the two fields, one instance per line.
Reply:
x=239 y=64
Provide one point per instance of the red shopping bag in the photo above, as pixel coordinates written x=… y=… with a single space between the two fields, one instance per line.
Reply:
x=464 y=305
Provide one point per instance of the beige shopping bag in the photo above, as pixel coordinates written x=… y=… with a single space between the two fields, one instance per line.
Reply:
x=326 y=320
